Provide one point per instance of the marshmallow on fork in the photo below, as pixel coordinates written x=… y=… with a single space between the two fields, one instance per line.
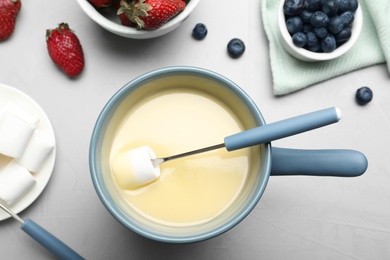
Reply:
x=134 y=168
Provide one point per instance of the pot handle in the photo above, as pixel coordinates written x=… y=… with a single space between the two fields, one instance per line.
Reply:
x=340 y=163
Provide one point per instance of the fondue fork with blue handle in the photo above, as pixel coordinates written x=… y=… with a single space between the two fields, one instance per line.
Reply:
x=42 y=236
x=269 y=132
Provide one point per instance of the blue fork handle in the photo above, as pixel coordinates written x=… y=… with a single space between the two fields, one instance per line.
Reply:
x=339 y=163
x=270 y=132
x=46 y=239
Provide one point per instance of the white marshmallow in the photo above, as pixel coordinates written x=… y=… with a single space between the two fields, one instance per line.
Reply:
x=15 y=181
x=20 y=112
x=37 y=151
x=134 y=168
x=15 y=134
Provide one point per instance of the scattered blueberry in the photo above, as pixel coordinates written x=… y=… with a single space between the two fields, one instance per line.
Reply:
x=319 y=25
x=236 y=48
x=299 y=39
x=199 y=31
x=328 y=44
x=294 y=24
x=293 y=7
x=363 y=95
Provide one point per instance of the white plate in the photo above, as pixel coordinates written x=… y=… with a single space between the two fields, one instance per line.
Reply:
x=10 y=94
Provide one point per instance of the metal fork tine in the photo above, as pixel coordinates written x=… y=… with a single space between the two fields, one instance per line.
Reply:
x=4 y=205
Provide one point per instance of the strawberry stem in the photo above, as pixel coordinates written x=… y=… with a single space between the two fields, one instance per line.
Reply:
x=58 y=29
x=134 y=11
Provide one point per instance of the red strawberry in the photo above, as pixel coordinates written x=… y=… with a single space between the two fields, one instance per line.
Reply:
x=100 y=3
x=9 y=9
x=65 y=49
x=125 y=21
x=150 y=14
x=115 y=4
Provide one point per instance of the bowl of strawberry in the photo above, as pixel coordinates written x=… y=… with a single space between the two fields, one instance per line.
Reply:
x=138 y=19
x=319 y=30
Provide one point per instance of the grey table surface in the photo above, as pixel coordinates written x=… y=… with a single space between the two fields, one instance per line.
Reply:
x=297 y=217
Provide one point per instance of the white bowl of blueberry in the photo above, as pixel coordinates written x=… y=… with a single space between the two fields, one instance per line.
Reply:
x=319 y=30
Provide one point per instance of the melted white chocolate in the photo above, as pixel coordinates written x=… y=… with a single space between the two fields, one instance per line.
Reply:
x=192 y=189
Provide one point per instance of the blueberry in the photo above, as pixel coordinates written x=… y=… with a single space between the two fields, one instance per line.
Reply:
x=363 y=95
x=344 y=35
x=344 y=5
x=313 y=5
x=294 y=24
x=312 y=39
x=336 y=25
x=299 y=39
x=347 y=18
x=293 y=7
x=330 y=7
x=199 y=31
x=236 y=48
x=328 y=44
x=314 y=48
x=306 y=15
x=353 y=5
x=319 y=19
x=307 y=28
x=321 y=32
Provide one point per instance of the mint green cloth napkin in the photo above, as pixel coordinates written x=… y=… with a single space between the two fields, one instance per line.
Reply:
x=372 y=47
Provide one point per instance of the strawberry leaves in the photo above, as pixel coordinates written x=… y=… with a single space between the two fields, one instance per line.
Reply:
x=134 y=11
x=149 y=14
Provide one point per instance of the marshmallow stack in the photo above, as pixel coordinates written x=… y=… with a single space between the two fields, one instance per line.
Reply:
x=15 y=181
x=15 y=134
x=25 y=145
x=134 y=168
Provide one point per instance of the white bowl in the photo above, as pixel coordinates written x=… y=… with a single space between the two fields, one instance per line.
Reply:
x=110 y=21
x=306 y=55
